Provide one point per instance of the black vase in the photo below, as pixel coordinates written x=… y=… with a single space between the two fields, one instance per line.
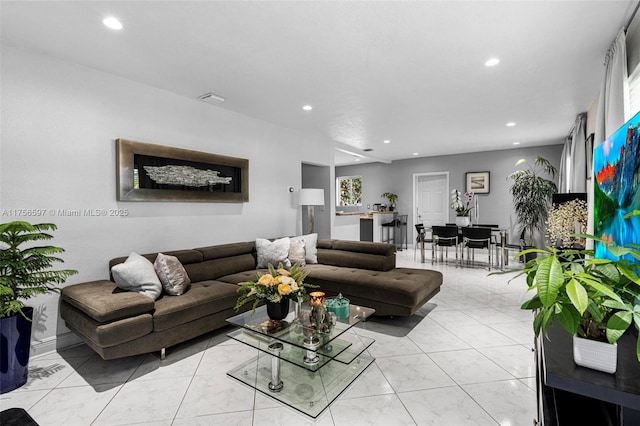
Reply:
x=278 y=310
x=15 y=341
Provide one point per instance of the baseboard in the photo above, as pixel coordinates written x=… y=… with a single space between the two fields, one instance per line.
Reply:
x=51 y=344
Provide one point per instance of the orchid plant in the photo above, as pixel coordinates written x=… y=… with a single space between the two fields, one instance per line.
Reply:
x=462 y=206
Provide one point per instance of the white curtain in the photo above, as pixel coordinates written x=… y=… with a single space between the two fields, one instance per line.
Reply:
x=572 y=176
x=613 y=104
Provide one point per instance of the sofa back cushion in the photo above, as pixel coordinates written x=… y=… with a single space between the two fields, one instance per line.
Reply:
x=357 y=254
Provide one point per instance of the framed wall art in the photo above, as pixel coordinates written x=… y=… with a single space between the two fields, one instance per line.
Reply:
x=148 y=172
x=477 y=182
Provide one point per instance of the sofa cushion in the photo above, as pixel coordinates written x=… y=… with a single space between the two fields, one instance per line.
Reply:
x=172 y=275
x=297 y=252
x=104 y=301
x=201 y=299
x=273 y=252
x=137 y=274
x=310 y=246
x=350 y=259
x=215 y=268
x=226 y=250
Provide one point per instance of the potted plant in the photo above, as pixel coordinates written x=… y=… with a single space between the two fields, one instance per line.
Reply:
x=25 y=271
x=595 y=299
x=531 y=194
x=392 y=199
x=462 y=208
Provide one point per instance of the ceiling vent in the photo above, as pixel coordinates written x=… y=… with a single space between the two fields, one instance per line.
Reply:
x=211 y=98
x=368 y=149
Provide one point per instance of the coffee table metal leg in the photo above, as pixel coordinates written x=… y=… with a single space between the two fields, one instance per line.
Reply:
x=311 y=343
x=275 y=385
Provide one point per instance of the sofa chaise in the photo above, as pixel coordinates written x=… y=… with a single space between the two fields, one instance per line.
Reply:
x=118 y=323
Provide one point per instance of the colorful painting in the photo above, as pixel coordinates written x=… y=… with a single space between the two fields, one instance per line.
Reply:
x=616 y=167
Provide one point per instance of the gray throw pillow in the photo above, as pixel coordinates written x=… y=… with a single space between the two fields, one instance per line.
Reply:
x=310 y=247
x=296 y=253
x=137 y=274
x=172 y=274
x=273 y=252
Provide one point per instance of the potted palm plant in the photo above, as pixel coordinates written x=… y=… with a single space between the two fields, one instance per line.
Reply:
x=531 y=194
x=594 y=299
x=25 y=271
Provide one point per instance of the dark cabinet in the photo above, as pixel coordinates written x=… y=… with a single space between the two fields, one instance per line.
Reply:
x=572 y=395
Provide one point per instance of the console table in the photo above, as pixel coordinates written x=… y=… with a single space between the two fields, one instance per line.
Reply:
x=316 y=368
x=569 y=394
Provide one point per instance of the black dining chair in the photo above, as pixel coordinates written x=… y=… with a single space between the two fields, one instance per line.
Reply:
x=443 y=238
x=421 y=238
x=476 y=238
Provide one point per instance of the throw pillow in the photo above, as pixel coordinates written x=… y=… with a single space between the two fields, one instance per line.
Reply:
x=172 y=274
x=297 y=253
x=310 y=247
x=137 y=274
x=273 y=252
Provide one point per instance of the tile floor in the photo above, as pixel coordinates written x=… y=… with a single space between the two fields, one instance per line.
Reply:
x=464 y=359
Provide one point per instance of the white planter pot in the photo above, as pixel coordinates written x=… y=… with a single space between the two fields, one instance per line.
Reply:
x=463 y=220
x=601 y=356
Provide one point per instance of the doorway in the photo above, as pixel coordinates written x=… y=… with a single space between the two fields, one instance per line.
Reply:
x=430 y=199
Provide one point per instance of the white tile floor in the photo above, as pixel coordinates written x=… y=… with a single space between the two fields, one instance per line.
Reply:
x=464 y=359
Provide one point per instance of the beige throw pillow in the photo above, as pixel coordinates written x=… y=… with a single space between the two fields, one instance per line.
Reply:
x=172 y=274
x=273 y=252
x=296 y=253
x=310 y=247
x=137 y=274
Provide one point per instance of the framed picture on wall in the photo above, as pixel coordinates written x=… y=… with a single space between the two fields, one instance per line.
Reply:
x=477 y=182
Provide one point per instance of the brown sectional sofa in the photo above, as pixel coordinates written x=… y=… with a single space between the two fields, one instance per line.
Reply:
x=117 y=323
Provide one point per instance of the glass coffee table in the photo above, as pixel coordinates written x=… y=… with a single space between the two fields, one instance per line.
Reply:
x=296 y=365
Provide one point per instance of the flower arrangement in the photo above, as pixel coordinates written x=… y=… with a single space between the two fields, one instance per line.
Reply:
x=565 y=221
x=278 y=284
x=461 y=207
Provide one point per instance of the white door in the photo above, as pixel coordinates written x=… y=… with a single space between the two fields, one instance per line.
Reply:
x=431 y=198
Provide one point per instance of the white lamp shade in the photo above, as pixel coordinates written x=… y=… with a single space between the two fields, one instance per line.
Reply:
x=311 y=197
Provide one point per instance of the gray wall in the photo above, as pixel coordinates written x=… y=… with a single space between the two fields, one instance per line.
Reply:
x=495 y=207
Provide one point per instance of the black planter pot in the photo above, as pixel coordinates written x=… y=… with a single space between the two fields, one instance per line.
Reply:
x=278 y=310
x=15 y=341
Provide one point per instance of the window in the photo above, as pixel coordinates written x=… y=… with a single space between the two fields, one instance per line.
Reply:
x=349 y=191
x=634 y=90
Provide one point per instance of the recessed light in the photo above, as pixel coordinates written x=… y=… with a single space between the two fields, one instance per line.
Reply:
x=492 y=62
x=307 y=107
x=386 y=141
x=415 y=153
x=511 y=124
x=516 y=143
x=112 y=23
x=357 y=159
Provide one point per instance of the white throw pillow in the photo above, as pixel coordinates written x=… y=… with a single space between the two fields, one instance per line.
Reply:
x=172 y=274
x=310 y=246
x=137 y=274
x=273 y=252
x=297 y=253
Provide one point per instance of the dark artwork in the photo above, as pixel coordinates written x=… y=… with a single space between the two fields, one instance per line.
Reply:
x=165 y=173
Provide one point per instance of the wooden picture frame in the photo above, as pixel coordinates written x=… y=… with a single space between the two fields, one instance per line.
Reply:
x=148 y=172
x=477 y=182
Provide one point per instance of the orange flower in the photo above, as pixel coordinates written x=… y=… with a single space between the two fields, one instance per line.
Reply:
x=284 y=289
x=266 y=280
x=283 y=272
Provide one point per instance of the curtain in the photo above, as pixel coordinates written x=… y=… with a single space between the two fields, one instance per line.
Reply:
x=563 y=183
x=613 y=103
x=578 y=172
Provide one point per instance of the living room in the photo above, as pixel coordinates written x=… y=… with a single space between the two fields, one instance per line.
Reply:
x=61 y=117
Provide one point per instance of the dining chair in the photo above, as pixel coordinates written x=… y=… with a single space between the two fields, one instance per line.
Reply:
x=444 y=237
x=421 y=238
x=476 y=238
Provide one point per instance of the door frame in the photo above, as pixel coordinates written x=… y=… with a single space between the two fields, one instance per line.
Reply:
x=416 y=176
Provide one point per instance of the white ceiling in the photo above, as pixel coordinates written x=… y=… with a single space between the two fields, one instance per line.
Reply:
x=410 y=72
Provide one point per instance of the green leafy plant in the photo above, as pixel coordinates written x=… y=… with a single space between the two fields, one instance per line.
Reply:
x=26 y=271
x=391 y=197
x=593 y=298
x=532 y=195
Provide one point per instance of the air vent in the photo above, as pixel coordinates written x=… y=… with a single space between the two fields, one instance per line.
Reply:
x=211 y=98
x=368 y=149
